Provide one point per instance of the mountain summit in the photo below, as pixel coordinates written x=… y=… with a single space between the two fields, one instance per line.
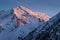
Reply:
x=21 y=23
x=26 y=15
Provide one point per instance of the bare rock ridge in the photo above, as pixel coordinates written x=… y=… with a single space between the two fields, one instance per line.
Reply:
x=26 y=15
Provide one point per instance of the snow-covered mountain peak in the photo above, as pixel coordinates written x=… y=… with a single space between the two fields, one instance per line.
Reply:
x=26 y=15
x=32 y=25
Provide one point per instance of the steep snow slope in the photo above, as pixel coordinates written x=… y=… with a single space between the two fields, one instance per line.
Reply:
x=19 y=33
x=8 y=22
x=50 y=30
x=19 y=23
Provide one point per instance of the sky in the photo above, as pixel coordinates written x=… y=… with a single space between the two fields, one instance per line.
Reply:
x=50 y=7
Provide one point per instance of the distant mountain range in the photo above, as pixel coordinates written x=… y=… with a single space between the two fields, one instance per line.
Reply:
x=21 y=23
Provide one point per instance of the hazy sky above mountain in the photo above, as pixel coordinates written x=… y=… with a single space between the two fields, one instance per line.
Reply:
x=50 y=7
